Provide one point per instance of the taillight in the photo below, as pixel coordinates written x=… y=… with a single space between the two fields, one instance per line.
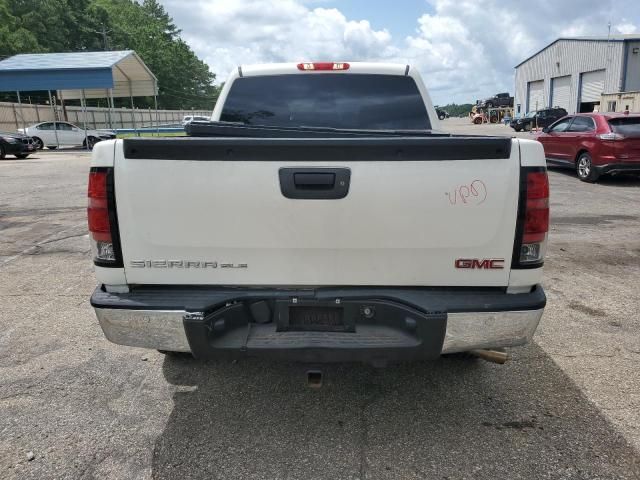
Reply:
x=533 y=218
x=323 y=66
x=102 y=219
x=610 y=136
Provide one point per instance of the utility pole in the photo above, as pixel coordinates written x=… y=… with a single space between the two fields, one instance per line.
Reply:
x=608 y=43
x=105 y=39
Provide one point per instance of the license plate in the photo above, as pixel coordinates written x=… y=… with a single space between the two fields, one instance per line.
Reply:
x=316 y=318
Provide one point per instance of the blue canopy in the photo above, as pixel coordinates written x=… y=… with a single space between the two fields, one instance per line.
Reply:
x=95 y=72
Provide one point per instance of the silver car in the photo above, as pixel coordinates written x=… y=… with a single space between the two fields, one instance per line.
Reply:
x=57 y=134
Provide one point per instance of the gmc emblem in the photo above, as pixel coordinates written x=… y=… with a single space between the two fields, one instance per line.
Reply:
x=484 y=264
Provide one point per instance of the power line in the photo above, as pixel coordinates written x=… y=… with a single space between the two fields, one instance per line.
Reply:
x=164 y=89
x=105 y=39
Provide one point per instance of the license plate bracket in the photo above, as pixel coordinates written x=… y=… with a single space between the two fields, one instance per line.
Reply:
x=314 y=317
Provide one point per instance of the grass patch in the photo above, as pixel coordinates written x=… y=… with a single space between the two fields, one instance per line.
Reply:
x=152 y=134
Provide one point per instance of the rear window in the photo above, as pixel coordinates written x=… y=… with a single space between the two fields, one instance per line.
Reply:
x=629 y=127
x=354 y=101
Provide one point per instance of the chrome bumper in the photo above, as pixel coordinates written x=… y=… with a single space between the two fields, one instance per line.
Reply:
x=159 y=329
x=164 y=330
x=470 y=331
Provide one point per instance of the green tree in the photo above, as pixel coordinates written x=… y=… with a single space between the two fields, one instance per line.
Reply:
x=58 y=25
x=457 y=110
x=32 y=26
x=184 y=80
x=14 y=37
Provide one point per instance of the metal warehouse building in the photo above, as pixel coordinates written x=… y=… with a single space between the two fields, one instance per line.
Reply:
x=574 y=73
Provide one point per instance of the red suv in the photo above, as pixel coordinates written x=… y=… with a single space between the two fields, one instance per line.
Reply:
x=594 y=144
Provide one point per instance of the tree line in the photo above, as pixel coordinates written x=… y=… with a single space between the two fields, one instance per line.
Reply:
x=44 y=26
x=457 y=110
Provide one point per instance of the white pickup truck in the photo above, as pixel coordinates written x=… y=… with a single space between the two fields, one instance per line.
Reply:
x=319 y=216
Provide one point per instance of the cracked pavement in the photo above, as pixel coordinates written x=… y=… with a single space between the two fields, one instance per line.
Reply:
x=565 y=407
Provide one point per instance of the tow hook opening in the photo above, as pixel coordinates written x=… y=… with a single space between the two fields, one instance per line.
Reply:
x=314 y=379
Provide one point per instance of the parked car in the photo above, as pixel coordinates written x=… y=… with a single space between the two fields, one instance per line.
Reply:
x=347 y=249
x=442 y=114
x=498 y=100
x=594 y=144
x=16 y=144
x=190 y=118
x=68 y=134
x=538 y=119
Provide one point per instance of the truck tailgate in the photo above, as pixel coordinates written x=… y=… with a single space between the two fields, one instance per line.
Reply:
x=415 y=211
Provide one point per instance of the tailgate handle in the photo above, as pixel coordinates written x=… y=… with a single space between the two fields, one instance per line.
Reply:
x=314 y=183
x=314 y=180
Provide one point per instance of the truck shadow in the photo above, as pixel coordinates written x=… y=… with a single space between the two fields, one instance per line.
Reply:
x=451 y=418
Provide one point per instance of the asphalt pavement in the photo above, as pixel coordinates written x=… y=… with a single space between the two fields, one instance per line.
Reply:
x=73 y=405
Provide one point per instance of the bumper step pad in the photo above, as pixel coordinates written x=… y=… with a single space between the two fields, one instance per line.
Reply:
x=374 y=330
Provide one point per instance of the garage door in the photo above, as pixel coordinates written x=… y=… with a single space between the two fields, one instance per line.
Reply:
x=592 y=86
x=535 y=100
x=561 y=93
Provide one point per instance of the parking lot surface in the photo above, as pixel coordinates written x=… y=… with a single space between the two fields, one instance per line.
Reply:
x=73 y=405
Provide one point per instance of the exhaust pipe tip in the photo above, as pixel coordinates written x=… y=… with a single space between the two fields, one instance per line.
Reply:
x=493 y=356
x=314 y=379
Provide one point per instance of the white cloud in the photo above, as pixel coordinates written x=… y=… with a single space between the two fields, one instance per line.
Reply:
x=253 y=31
x=626 y=27
x=465 y=49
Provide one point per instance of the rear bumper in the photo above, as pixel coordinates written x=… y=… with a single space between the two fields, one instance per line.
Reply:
x=400 y=324
x=17 y=148
x=630 y=167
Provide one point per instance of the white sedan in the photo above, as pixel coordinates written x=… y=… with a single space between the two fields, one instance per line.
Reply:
x=68 y=134
x=190 y=118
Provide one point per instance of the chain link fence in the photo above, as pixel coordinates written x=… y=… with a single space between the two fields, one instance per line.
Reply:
x=14 y=116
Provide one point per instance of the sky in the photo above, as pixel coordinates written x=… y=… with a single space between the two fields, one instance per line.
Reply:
x=464 y=49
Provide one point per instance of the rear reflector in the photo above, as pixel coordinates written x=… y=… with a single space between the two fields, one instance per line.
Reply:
x=536 y=222
x=100 y=218
x=323 y=66
x=534 y=219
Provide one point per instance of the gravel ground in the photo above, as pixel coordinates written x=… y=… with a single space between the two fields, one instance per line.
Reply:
x=72 y=405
